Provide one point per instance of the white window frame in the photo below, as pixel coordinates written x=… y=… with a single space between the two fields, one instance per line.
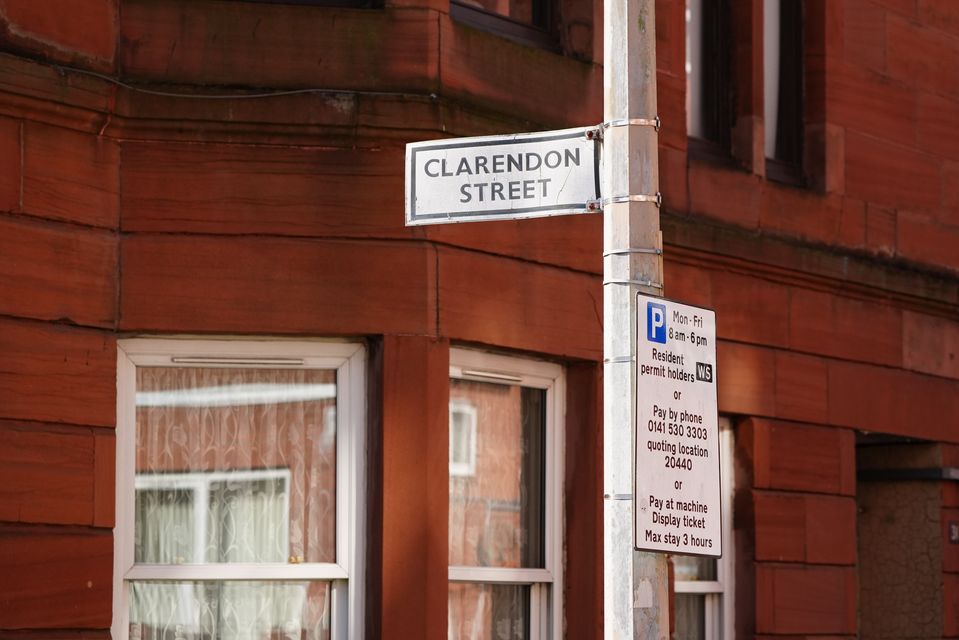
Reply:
x=468 y=467
x=720 y=603
x=345 y=574
x=546 y=584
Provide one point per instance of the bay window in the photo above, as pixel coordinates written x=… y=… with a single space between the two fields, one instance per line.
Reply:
x=505 y=514
x=239 y=483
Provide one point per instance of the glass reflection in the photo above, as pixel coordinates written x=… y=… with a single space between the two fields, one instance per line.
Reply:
x=496 y=513
x=692 y=568
x=488 y=611
x=230 y=610
x=690 y=617
x=235 y=465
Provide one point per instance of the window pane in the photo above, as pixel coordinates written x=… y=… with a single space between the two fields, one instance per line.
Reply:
x=694 y=568
x=531 y=12
x=690 y=617
x=229 y=610
x=174 y=509
x=494 y=611
x=235 y=465
x=709 y=106
x=246 y=521
x=496 y=514
x=789 y=113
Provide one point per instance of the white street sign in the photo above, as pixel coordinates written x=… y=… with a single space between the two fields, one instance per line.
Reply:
x=677 y=492
x=526 y=175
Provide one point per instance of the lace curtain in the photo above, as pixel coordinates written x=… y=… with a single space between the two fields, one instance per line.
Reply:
x=233 y=466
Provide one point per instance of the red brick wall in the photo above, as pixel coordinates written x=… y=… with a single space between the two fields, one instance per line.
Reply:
x=882 y=100
x=126 y=212
x=58 y=215
x=905 y=58
x=75 y=32
x=796 y=506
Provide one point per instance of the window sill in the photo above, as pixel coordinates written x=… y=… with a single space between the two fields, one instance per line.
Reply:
x=785 y=173
x=712 y=153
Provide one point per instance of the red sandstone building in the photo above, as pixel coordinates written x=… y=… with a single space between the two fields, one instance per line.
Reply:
x=240 y=399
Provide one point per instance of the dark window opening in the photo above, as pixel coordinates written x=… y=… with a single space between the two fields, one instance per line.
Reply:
x=710 y=80
x=784 y=150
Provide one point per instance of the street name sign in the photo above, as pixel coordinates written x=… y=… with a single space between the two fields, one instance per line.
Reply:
x=677 y=493
x=524 y=175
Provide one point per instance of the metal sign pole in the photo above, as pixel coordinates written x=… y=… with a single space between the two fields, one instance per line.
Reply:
x=635 y=583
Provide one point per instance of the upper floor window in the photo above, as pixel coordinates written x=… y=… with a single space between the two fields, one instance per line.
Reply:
x=783 y=88
x=505 y=518
x=709 y=86
x=356 y=4
x=527 y=21
x=239 y=489
x=704 y=586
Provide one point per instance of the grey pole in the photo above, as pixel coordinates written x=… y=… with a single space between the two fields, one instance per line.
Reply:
x=636 y=597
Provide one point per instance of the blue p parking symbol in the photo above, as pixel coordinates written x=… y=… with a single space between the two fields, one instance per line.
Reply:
x=656 y=322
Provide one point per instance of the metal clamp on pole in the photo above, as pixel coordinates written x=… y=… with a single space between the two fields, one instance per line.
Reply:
x=599 y=205
x=626 y=252
x=596 y=133
x=634 y=122
x=618 y=496
x=638 y=283
x=656 y=199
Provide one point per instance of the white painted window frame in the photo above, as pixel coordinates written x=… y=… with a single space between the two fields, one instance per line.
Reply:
x=349 y=362
x=467 y=467
x=546 y=584
x=720 y=604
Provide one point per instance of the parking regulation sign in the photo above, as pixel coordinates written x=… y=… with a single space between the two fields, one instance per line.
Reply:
x=676 y=488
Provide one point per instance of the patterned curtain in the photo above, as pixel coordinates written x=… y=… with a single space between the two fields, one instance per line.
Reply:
x=234 y=466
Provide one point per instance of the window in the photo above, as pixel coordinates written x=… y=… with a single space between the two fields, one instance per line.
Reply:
x=357 y=4
x=239 y=489
x=709 y=95
x=704 y=586
x=527 y=21
x=462 y=438
x=783 y=88
x=505 y=518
